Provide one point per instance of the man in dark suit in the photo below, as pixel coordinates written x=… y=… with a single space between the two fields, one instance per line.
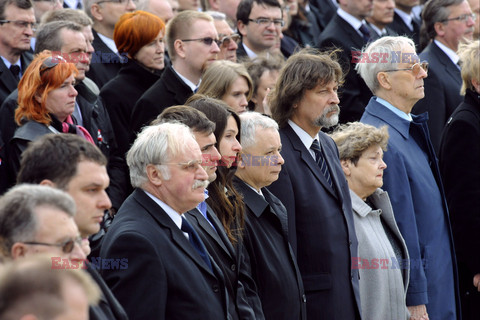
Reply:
x=243 y=300
x=273 y=263
x=442 y=86
x=404 y=21
x=192 y=45
x=326 y=10
x=259 y=22
x=17 y=24
x=382 y=15
x=167 y=261
x=313 y=188
x=348 y=31
x=105 y=60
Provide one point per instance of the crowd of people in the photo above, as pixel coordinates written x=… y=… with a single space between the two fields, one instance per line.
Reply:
x=239 y=159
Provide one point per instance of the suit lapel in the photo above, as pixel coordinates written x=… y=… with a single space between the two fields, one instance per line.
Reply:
x=352 y=33
x=7 y=78
x=176 y=86
x=450 y=67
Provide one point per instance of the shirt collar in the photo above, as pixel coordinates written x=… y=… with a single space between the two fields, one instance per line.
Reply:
x=407 y=18
x=250 y=53
x=8 y=64
x=377 y=30
x=189 y=83
x=397 y=111
x=449 y=52
x=108 y=42
x=175 y=216
x=354 y=22
x=306 y=139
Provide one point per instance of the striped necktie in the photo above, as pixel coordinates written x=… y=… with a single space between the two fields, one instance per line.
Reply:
x=320 y=159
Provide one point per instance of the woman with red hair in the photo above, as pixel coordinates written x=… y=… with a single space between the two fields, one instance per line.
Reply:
x=46 y=101
x=138 y=36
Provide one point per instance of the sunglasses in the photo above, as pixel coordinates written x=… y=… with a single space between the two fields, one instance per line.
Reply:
x=67 y=247
x=51 y=62
x=207 y=41
x=21 y=24
x=415 y=69
x=225 y=41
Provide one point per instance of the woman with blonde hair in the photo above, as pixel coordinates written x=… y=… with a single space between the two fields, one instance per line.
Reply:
x=228 y=81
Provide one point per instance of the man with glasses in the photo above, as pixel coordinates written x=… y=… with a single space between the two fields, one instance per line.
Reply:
x=228 y=39
x=412 y=179
x=259 y=23
x=105 y=13
x=193 y=44
x=72 y=164
x=447 y=22
x=17 y=25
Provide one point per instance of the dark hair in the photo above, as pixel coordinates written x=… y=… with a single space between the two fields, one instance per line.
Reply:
x=48 y=36
x=245 y=8
x=22 y=4
x=55 y=157
x=229 y=205
x=303 y=71
x=192 y=118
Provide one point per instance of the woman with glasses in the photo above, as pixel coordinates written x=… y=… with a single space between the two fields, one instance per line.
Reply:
x=229 y=82
x=46 y=101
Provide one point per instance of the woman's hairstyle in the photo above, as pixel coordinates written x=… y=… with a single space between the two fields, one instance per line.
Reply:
x=354 y=138
x=135 y=30
x=225 y=201
x=45 y=74
x=220 y=76
x=303 y=71
x=469 y=54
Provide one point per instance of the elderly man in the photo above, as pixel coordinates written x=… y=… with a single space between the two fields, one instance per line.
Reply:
x=228 y=39
x=167 y=258
x=447 y=23
x=192 y=43
x=312 y=186
x=412 y=178
x=273 y=263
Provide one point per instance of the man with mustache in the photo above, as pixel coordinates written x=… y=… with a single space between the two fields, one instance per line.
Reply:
x=447 y=22
x=167 y=261
x=312 y=186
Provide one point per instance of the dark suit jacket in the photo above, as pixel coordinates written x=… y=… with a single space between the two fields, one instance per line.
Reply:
x=442 y=91
x=374 y=35
x=8 y=83
x=244 y=302
x=272 y=260
x=460 y=169
x=326 y=11
x=166 y=278
x=108 y=307
x=168 y=91
x=320 y=228
x=241 y=53
x=105 y=63
x=354 y=93
x=399 y=26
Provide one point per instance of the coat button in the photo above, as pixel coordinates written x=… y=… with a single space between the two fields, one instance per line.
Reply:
x=233 y=267
x=215 y=288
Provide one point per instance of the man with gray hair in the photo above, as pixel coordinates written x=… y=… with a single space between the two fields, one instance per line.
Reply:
x=228 y=38
x=273 y=263
x=445 y=24
x=167 y=260
x=413 y=179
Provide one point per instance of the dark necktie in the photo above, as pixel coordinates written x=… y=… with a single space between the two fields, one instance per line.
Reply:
x=365 y=33
x=196 y=242
x=15 y=71
x=320 y=159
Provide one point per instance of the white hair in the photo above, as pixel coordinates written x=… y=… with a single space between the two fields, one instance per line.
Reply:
x=250 y=121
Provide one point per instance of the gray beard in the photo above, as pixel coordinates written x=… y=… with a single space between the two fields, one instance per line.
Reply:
x=327 y=122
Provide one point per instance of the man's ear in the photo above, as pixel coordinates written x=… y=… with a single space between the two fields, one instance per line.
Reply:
x=384 y=80
x=48 y=182
x=243 y=160
x=19 y=250
x=439 y=28
x=179 y=47
x=96 y=11
x=154 y=175
x=242 y=28
x=346 y=166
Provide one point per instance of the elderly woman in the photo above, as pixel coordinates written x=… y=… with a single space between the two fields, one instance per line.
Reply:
x=393 y=72
x=139 y=36
x=229 y=82
x=46 y=101
x=460 y=168
x=381 y=249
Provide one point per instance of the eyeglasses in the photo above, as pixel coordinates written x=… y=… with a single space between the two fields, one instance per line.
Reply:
x=225 y=41
x=51 y=62
x=463 y=18
x=51 y=1
x=21 y=24
x=67 y=246
x=207 y=41
x=265 y=22
x=415 y=68
x=191 y=165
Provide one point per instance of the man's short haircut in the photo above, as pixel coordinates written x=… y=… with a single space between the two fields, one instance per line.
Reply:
x=250 y=121
x=68 y=14
x=156 y=145
x=17 y=212
x=49 y=35
x=21 y=4
x=31 y=286
x=217 y=15
x=87 y=7
x=303 y=71
x=196 y=120
x=434 y=11
x=386 y=48
x=469 y=54
x=245 y=8
x=180 y=27
x=55 y=157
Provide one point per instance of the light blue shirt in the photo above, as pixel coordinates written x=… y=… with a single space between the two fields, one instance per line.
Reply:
x=397 y=111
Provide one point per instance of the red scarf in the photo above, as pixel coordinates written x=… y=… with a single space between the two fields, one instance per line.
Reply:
x=69 y=127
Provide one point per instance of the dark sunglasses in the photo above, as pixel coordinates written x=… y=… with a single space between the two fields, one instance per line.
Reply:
x=67 y=247
x=415 y=69
x=51 y=62
x=207 y=41
x=225 y=41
